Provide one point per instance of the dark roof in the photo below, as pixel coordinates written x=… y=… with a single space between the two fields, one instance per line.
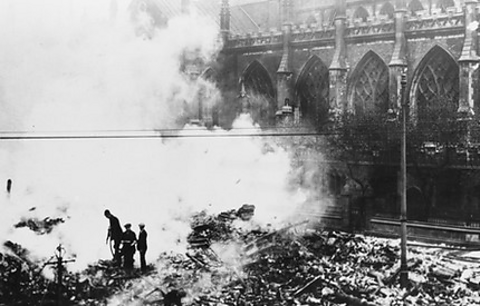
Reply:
x=240 y=20
x=245 y=15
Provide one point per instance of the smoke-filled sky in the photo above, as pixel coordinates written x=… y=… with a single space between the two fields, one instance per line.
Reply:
x=73 y=66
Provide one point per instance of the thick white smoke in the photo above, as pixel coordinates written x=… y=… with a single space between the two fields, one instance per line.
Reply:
x=72 y=66
x=67 y=65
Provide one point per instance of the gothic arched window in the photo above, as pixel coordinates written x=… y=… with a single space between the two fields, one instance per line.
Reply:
x=388 y=10
x=369 y=92
x=257 y=80
x=312 y=91
x=259 y=88
x=415 y=6
x=360 y=13
x=436 y=87
x=444 y=4
x=208 y=97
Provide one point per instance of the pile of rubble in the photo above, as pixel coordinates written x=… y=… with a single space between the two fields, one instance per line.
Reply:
x=293 y=265
x=284 y=267
x=20 y=280
x=219 y=228
x=23 y=281
x=95 y=285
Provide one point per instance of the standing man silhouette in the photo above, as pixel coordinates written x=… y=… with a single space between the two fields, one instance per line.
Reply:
x=129 y=240
x=115 y=234
x=142 y=246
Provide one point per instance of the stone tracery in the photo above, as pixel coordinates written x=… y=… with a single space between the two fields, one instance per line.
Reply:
x=259 y=87
x=436 y=88
x=312 y=90
x=369 y=92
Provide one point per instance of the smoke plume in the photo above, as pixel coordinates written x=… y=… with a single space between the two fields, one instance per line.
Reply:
x=74 y=67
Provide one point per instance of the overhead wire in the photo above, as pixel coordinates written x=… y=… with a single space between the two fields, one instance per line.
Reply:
x=158 y=133
x=196 y=132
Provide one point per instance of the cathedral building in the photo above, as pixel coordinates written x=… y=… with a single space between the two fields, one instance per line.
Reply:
x=348 y=67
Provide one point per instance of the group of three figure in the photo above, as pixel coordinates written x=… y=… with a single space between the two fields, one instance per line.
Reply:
x=125 y=243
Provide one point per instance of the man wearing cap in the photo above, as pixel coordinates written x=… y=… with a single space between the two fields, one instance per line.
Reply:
x=115 y=234
x=142 y=246
x=128 y=247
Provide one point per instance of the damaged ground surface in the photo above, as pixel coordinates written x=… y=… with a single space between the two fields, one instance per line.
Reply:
x=228 y=264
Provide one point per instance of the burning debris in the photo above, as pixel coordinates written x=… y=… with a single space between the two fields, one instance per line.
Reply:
x=315 y=268
x=207 y=228
x=40 y=227
x=228 y=265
